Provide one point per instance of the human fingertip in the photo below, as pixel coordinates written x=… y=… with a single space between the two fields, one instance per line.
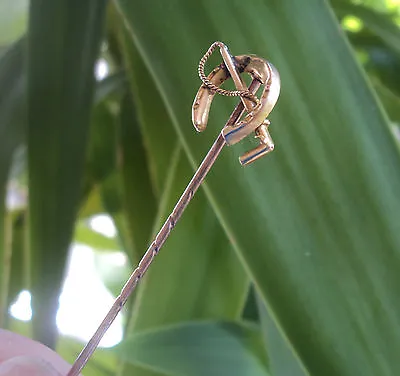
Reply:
x=27 y=365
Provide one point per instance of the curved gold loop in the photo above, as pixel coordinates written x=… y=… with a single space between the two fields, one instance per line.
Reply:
x=263 y=73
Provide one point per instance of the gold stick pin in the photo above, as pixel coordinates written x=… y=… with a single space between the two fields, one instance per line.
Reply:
x=263 y=73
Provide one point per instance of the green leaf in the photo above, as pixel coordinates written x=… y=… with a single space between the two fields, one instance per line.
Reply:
x=198 y=349
x=60 y=92
x=316 y=223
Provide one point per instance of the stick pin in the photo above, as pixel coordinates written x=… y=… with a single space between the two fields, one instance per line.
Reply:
x=264 y=74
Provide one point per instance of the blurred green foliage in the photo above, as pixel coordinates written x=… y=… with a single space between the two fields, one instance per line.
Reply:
x=288 y=267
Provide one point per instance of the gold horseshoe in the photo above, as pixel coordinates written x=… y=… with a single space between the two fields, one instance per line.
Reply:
x=262 y=73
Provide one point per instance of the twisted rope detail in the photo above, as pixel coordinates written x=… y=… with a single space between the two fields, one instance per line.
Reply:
x=206 y=81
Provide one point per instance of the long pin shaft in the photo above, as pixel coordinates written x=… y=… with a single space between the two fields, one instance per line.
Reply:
x=158 y=242
x=148 y=257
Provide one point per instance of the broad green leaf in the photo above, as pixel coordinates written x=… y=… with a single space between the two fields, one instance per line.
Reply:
x=60 y=92
x=316 y=223
x=198 y=349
